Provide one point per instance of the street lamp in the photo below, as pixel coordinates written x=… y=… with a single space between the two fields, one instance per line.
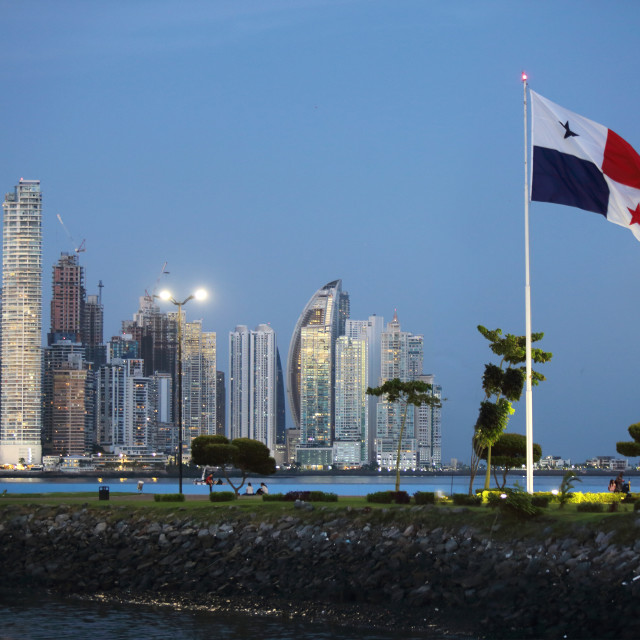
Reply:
x=200 y=294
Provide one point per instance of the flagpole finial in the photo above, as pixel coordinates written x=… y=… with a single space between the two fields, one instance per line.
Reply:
x=525 y=77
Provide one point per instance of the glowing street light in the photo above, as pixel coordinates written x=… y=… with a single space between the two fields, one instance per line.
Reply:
x=167 y=296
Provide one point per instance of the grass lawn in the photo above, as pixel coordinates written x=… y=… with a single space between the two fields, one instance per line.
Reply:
x=553 y=521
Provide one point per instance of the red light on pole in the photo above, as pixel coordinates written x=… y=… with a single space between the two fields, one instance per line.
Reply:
x=524 y=76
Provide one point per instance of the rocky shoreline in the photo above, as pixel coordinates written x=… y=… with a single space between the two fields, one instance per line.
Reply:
x=356 y=566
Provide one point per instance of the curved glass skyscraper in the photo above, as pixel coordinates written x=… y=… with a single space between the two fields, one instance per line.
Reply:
x=311 y=365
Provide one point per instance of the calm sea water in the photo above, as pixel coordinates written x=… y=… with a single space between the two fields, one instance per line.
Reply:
x=344 y=486
x=39 y=616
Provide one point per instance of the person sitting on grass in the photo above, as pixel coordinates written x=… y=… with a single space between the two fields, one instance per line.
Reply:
x=620 y=483
x=263 y=489
x=249 y=491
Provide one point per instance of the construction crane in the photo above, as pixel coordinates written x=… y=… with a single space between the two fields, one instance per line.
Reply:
x=77 y=248
x=150 y=296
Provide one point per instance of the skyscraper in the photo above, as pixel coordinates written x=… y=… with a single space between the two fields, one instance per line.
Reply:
x=164 y=434
x=401 y=357
x=61 y=398
x=281 y=422
x=67 y=299
x=371 y=331
x=253 y=384
x=428 y=429
x=20 y=426
x=156 y=334
x=124 y=410
x=198 y=382
x=68 y=416
x=221 y=415
x=350 y=446
x=239 y=373
x=311 y=372
x=92 y=331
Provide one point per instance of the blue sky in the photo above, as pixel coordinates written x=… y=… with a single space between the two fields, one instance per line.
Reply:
x=263 y=148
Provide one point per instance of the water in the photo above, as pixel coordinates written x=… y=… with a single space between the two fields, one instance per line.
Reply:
x=42 y=616
x=341 y=485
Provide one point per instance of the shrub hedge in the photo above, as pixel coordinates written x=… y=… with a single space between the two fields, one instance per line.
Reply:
x=576 y=497
x=541 y=501
x=515 y=502
x=423 y=497
x=222 y=496
x=490 y=497
x=168 y=497
x=464 y=499
x=388 y=497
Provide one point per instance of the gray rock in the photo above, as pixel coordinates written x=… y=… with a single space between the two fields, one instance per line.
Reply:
x=100 y=528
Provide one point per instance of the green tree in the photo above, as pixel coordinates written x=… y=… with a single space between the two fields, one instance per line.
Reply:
x=246 y=455
x=509 y=451
x=630 y=449
x=503 y=385
x=412 y=392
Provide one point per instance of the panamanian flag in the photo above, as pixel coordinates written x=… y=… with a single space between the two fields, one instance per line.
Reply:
x=580 y=163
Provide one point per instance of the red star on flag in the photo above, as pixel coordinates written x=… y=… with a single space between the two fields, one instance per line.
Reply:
x=635 y=215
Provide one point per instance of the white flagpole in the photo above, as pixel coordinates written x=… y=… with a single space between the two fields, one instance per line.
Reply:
x=527 y=303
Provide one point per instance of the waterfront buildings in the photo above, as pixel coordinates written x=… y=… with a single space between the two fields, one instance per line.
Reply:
x=351 y=417
x=198 y=381
x=68 y=388
x=164 y=435
x=221 y=404
x=311 y=372
x=92 y=331
x=68 y=399
x=67 y=299
x=20 y=425
x=401 y=357
x=124 y=410
x=369 y=331
x=253 y=384
x=156 y=334
x=122 y=396
x=429 y=429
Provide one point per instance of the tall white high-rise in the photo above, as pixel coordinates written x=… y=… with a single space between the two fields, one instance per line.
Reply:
x=20 y=426
x=370 y=330
x=350 y=442
x=253 y=384
x=401 y=357
x=124 y=410
x=239 y=392
x=428 y=428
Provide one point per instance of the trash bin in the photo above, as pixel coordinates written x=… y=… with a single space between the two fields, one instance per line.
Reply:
x=103 y=493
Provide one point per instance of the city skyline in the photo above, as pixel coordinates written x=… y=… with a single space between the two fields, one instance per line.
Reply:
x=264 y=149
